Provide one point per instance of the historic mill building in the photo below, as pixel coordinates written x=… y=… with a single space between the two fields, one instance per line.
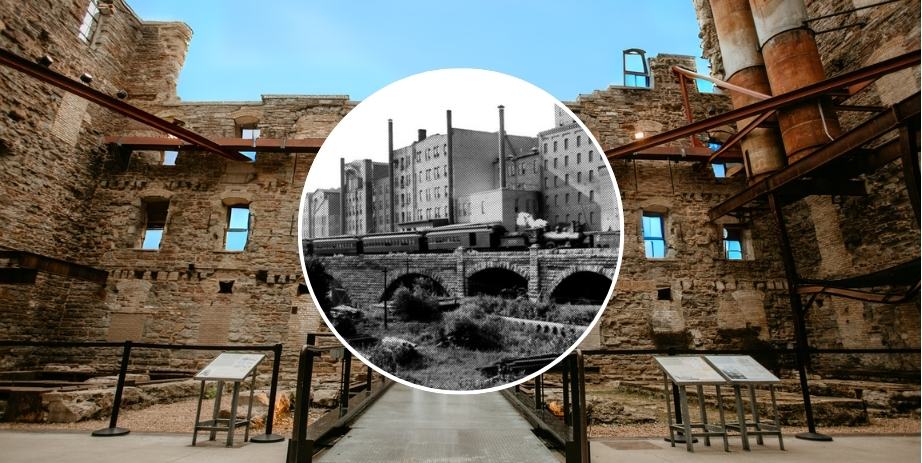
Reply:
x=111 y=230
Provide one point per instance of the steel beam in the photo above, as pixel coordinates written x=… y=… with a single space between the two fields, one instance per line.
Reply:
x=871 y=129
x=42 y=73
x=859 y=76
x=738 y=136
x=275 y=145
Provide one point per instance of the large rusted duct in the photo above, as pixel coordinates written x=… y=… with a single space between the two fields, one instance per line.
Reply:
x=743 y=65
x=792 y=61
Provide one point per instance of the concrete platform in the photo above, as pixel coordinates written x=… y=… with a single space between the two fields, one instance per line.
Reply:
x=842 y=449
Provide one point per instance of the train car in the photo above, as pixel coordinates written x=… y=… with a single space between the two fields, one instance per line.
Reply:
x=471 y=236
x=337 y=245
x=383 y=243
x=604 y=239
x=522 y=239
x=564 y=239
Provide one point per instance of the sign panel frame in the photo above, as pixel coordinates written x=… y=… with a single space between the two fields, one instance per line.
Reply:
x=690 y=370
x=230 y=366
x=741 y=369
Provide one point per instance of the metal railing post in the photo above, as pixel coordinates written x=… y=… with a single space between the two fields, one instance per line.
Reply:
x=300 y=448
x=269 y=437
x=113 y=429
x=344 y=387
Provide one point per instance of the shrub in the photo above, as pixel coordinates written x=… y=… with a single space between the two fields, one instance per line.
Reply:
x=393 y=352
x=415 y=305
x=474 y=330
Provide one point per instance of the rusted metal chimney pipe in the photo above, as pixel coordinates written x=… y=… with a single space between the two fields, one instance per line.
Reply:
x=743 y=65
x=792 y=61
x=501 y=140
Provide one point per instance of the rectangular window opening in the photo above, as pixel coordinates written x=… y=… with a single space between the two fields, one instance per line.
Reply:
x=733 y=243
x=238 y=228
x=653 y=235
x=155 y=221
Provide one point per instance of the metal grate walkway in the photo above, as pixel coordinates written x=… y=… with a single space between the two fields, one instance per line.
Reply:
x=409 y=425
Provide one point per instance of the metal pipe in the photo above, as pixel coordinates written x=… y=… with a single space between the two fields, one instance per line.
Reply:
x=860 y=76
x=792 y=61
x=390 y=176
x=745 y=69
x=501 y=141
x=269 y=437
x=449 y=151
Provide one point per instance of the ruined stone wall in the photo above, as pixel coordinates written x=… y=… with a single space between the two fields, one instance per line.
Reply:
x=714 y=302
x=838 y=237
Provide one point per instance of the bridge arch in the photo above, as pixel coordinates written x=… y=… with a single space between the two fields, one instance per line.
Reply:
x=582 y=285
x=326 y=285
x=409 y=280
x=497 y=281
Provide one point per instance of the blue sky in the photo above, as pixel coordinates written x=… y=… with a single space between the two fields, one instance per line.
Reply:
x=242 y=49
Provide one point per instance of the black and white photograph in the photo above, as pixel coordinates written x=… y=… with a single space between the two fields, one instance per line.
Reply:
x=460 y=230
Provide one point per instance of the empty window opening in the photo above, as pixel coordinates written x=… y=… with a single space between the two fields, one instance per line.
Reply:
x=238 y=228
x=169 y=158
x=720 y=169
x=249 y=132
x=664 y=294
x=226 y=287
x=653 y=236
x=90 y=20
x=303 y=289
x=733 y=243
x=636 y=72
x=155 y=213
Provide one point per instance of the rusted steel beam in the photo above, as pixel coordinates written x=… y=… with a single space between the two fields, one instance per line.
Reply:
x=738 y=136
x=13 y=61
x=28 y=260
x=682 y=153
x=870 y=130
x=720 y=83
x=276 y=145
x=862 y=75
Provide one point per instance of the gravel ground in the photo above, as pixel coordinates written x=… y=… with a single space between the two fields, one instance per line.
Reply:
x=176 y=417
x=877 y=426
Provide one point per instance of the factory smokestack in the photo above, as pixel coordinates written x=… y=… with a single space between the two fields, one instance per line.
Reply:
x=501 y=141
x=391 y=173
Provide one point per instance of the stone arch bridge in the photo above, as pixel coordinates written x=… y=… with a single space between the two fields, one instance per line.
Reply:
x=545 y=274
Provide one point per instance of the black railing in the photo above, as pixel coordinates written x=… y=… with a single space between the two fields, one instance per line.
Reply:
x=305 y=436
x=568 y=431
x=128 y=346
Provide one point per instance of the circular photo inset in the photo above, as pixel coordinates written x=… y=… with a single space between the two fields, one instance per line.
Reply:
x=460 y=231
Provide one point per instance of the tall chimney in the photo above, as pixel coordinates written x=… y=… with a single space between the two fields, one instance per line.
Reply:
x=420 y=134
x=743 y=65
x=501 y=139
x=792 y=61
x=449 y=151
x=391 y=173
x=342 y=196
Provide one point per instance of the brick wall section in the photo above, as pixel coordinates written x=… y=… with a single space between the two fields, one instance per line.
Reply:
x=841 y=237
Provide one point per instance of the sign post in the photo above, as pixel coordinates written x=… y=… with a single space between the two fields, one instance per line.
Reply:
x=227 y=366
x=744 y=371
x=681 y=372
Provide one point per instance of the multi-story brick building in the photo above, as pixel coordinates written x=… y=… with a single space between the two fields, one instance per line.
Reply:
x=322 y=216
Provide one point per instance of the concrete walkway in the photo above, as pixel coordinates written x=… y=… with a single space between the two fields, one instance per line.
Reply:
x=408 y=425
x=843 y=449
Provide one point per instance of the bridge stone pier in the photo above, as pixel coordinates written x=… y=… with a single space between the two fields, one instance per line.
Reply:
x=368 y=278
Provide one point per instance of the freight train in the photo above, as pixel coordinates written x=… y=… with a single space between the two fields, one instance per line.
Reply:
x=481 y=237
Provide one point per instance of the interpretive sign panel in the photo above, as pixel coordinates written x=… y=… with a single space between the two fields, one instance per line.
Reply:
x=689 y=370
x=741 y=369
x=230 y=367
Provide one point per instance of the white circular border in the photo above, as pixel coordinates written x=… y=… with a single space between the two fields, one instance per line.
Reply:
x=551 y=364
